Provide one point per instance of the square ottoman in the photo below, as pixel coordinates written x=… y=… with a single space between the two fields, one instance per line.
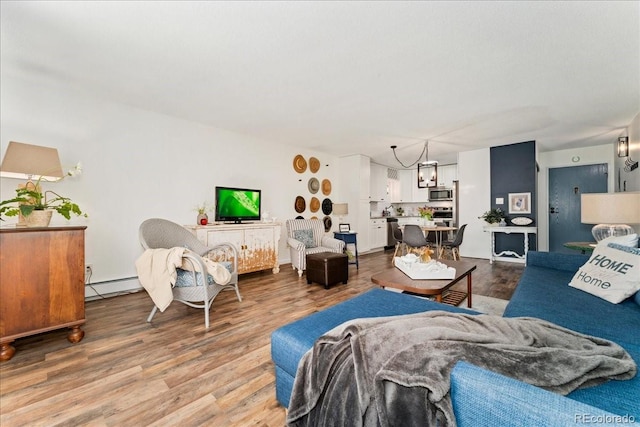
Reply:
x=327 y=268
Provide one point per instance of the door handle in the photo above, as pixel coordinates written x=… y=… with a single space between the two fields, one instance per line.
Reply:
x=554 y=210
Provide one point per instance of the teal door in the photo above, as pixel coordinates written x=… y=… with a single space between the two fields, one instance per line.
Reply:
x=565 y=186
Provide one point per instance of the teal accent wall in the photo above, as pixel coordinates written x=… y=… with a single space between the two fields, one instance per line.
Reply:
x=514 y=170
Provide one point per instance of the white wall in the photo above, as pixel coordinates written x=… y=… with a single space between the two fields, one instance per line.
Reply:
x=139 y=164
x=629 y=179
x=474 y=189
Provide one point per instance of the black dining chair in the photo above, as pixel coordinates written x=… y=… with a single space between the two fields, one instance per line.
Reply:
x=413 y=237
x=397 y=235
x=453 y=245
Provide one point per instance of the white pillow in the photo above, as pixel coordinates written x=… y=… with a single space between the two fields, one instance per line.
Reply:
x=628 y=240
x=612 y=273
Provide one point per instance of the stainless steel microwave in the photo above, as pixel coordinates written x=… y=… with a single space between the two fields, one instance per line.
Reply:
x=436 y=194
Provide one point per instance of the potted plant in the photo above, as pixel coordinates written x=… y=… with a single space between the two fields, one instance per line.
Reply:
x=493 y=216
x=37 y=206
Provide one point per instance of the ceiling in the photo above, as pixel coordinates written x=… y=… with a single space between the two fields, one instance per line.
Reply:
x=348 y=77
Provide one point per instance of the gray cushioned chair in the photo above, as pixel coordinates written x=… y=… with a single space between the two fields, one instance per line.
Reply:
x=157 y=233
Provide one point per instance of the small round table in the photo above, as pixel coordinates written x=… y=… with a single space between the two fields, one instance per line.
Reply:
x=583 y=247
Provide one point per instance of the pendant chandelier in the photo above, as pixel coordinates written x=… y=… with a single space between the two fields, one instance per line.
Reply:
x=425 y=152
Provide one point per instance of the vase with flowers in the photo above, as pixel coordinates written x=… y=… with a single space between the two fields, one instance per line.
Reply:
x=426 y=213
x=37 y=206
x=203 y=218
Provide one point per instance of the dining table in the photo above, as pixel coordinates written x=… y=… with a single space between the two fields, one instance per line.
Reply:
x=438 y=229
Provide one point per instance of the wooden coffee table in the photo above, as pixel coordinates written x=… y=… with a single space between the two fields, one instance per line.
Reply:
x=394 y=278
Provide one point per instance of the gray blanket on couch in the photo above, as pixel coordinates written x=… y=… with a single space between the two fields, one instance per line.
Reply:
x=395 y=370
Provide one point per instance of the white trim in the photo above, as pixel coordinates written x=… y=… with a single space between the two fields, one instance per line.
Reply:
x=111 y=288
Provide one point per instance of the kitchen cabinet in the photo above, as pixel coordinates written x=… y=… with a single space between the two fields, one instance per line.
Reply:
x=257 y=243
x=41 y=283
x=405 y=180
x=378 y=233
x=446 y=175
x=420 y=195
x=395 y=188
x=416 y=220
x=379 y=183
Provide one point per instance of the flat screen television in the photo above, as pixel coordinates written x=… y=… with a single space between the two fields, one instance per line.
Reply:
x=237 y=204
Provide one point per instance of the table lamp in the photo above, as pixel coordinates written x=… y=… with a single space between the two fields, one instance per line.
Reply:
x=611 y=212
x=27 y=161
x=340 y=209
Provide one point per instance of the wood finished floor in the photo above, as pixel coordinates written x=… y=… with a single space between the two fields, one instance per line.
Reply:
x=127 y=372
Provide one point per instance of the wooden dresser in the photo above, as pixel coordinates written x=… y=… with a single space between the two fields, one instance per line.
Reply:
x=41 y=283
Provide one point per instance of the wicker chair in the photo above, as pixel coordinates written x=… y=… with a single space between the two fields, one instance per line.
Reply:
x=159 y=233
x=307 y=236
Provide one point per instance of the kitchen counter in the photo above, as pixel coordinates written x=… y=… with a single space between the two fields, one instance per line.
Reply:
x=395 y=216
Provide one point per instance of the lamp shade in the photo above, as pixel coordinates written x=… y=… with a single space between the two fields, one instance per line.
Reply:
x=26 y=161
x=610 y=208
x=341 y=208
x=611 y=212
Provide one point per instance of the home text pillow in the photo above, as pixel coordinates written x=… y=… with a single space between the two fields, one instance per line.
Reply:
x=612 y=273
x=306 y=237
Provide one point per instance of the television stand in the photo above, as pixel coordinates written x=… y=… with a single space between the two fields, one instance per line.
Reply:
x=257 y=242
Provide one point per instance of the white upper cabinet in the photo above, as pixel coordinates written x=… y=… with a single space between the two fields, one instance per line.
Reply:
x=405 y=177
x=420 y=195
x=446 y=175
x=379 y=183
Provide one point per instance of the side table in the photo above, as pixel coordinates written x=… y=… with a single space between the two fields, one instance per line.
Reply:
x=348 y=238
x=583 y=247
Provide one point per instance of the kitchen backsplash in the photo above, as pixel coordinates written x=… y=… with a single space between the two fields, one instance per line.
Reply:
x=410 y=209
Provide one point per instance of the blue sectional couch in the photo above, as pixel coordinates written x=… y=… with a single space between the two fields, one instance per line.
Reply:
x=481 y=397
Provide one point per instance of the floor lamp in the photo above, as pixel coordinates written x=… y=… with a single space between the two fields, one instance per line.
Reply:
x=611 y=212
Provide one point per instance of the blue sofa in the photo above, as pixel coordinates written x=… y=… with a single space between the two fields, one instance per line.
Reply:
x=481 y=397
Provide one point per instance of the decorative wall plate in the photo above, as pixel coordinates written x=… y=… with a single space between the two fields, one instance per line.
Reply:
x=300 y=204
x=299 y=163
x=299 y=217
x=314 y=164
x=313 y=185
x=327 y=223
x=326 y=187
x=314 y=205
x=521 y=220
x=327 y=207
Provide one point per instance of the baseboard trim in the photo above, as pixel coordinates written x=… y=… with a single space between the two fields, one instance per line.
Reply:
x=111 y=288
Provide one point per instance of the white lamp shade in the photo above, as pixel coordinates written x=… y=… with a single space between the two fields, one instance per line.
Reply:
x=26 y=161
x=610 y=208
x=341 y=208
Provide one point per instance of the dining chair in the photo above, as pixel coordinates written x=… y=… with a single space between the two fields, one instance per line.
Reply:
x=413 y=237
x=453 y=245
x=397 y=235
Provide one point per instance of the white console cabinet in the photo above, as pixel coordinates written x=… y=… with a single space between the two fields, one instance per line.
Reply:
x=257 y=243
